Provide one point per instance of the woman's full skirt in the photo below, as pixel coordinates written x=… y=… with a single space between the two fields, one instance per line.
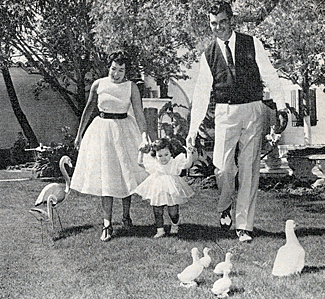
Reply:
x=107 y=159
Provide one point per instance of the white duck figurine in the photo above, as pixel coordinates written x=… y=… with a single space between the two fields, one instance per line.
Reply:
x=222 y=286
x=224 y=266
x=290 y=258
x=206 y=259
x=191 y=272
x=59 y=190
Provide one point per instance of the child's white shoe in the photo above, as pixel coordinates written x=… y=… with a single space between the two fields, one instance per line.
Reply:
x=160 y=233
x=174 y=229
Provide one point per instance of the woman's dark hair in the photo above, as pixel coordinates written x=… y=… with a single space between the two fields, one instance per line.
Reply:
x=220 y=7
x=120 y=57
x=159 y=144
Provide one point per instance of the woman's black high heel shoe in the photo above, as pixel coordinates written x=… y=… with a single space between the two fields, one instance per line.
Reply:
x=107 y=233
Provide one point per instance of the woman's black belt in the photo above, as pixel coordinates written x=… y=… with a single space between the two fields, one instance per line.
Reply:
x=113 y=115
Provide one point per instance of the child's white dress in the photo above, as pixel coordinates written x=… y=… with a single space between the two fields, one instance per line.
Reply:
x=164 y=186
x=107 y=163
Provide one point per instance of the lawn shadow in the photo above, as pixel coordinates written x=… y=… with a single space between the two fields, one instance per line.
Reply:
x=300 y=232
x=196 y=232
x=140 y=231
x=72 y=231
x=235 y=291
x=187 y=231
x=312 y=269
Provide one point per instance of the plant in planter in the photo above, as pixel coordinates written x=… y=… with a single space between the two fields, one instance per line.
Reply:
x=47 y=162
x=177 y=129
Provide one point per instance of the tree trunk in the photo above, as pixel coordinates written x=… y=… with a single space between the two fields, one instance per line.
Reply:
x=21 y=117
x=307 y=130
x=306 y=110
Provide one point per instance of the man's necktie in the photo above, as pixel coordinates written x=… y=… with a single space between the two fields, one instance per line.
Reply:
x=228 y=54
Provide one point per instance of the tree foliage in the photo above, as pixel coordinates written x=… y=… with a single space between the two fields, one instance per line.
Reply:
x=294 y=33
x=56 y=38
x=152 y=31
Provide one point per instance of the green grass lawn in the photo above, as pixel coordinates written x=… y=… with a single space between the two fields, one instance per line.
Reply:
x=74 y=263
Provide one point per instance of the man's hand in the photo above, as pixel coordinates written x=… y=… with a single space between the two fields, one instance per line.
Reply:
x=282 y=121
x=190 y=140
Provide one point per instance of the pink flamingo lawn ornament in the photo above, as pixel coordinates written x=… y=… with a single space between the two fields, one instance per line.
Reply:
x=53 y=194
x=45 y=216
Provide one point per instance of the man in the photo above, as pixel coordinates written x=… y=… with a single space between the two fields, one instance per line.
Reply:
x=233 y=71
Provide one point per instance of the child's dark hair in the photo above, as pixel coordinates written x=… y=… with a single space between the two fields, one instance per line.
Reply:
x=160 y=144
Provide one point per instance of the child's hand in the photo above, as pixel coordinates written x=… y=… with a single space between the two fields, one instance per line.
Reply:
x=144 y=148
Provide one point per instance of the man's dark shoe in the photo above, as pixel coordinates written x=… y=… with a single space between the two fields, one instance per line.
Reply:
x=225 y=219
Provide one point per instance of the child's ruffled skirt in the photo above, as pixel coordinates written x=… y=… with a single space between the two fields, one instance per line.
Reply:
x=164 y=189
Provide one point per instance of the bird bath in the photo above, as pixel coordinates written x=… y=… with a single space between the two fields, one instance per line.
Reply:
x=300 y=163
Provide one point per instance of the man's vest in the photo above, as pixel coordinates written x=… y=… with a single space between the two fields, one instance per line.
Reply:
x=239 y=85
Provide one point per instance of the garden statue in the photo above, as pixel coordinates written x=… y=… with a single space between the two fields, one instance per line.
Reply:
x=222 y=286
x=319 y=172
x=191 y=272
x=206 y=259
x=57 y=192
x=273 y=161
x=290 y=258
x=224 y=266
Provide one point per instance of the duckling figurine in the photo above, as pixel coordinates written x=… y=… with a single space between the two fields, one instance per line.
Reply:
x=222 y=286
x=290 y=258
x=191 y=272
x=223 y=266
x=206 y=259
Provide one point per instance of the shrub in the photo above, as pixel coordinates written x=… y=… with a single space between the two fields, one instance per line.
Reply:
x=18 y=153
x=47 y=163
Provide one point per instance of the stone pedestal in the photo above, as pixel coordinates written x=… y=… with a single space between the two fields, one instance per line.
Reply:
x=273 y=160
x=302 y=163
x=302 y=168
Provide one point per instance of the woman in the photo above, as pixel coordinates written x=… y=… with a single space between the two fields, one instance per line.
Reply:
x=107 y=160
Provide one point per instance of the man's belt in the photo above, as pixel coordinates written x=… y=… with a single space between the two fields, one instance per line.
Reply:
x=113 y=115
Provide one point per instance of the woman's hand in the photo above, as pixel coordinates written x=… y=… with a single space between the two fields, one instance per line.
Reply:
x=145 y=144
x=77 y=142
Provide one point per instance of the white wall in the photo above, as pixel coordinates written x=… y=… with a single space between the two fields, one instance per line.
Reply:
x=295 y=135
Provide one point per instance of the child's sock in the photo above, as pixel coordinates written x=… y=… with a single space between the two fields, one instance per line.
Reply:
x=160 y=232
x=174 y=229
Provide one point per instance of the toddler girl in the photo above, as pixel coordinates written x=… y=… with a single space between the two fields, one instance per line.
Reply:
x=164 y=187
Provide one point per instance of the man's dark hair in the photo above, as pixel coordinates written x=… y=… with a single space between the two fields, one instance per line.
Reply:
x=220 y=7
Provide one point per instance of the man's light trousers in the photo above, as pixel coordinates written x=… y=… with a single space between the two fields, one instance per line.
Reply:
x=243 y=125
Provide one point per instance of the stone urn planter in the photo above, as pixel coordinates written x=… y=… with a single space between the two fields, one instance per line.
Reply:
x=301 y=165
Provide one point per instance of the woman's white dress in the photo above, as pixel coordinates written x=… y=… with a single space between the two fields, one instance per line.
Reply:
x=107 y=160
x=164 y=186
